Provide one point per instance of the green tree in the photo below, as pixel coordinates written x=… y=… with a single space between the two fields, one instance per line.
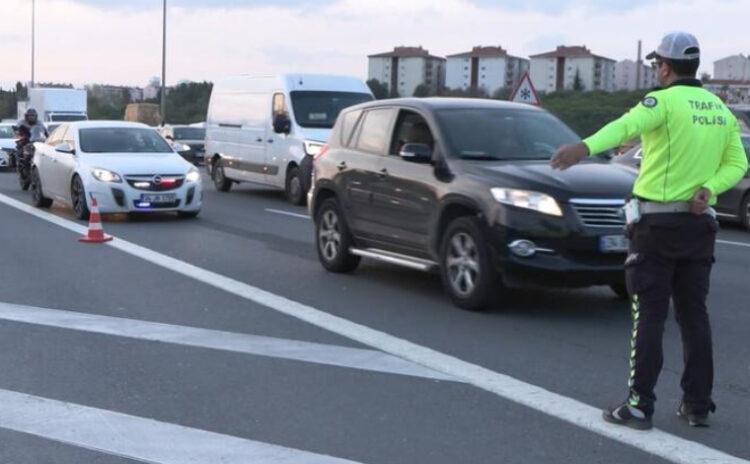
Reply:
x=187 y=103
x=422 y=91
x=378 y=89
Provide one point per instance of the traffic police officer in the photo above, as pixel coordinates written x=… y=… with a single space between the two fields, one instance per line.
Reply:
x=692 y=152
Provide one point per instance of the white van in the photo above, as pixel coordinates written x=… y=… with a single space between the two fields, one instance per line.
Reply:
x=267 y=129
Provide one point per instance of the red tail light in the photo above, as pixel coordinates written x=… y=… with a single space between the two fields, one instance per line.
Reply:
x=322 y=152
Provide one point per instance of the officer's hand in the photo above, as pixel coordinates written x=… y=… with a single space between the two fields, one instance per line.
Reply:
x=569 y=155
x=699 y=205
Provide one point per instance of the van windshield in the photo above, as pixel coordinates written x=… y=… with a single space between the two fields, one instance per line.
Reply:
x=319 y=109
x=503 y=134
x=67 y=117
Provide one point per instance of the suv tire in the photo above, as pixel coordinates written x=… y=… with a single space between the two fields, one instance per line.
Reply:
x=333 y=239
x=466 y=267
x=221 y=182
x=745 y=211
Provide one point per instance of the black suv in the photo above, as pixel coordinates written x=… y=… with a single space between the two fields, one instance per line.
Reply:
x=464 y=186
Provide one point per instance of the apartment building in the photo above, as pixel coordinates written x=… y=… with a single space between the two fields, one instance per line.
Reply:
x=732 y=68
x=626 y=76
x=406 y=68
x=557 y=70
x=488 y=68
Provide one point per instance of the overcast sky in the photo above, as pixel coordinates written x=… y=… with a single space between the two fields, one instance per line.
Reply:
x=119 y=41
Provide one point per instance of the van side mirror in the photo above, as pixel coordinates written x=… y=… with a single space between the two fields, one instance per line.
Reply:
x=65 y=147
x=416 y=153
x=282 y=124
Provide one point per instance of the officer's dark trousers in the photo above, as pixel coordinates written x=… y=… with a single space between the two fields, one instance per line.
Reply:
x=670 y=257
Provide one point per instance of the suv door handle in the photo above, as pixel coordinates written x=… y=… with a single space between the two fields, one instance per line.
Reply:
x=259 y=139
x=341 y=165
x=383 y=173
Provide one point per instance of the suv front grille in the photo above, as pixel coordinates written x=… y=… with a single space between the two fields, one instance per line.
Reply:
x=599 y=213
x=156 y=183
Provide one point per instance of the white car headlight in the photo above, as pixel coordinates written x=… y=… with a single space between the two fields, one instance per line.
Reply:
x=193 y=175
x=106 y=176
x=536 y=201
x=313 y=148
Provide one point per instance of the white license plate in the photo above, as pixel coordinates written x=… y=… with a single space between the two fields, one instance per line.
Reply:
x=613 y=244
x=158 y=197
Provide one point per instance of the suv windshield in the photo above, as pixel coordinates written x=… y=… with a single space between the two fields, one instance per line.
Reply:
x=122 y=140
x=189 y=133
x=6 y=132
x=316 y=109
x=503 y=134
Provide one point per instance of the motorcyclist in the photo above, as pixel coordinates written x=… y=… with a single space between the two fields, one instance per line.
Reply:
x=32 y=126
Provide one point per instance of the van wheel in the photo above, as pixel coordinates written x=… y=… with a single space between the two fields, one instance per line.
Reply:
x=295 y=192
x=333 y=239
x=466 y=267
x=221 y=182
x=745 y=211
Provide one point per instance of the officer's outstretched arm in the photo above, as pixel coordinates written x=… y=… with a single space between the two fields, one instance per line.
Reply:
x=733 y=165
x=648 y=115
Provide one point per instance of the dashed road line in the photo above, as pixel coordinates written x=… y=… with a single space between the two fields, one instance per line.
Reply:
x=729 y=242
x=287 y=213
x=659 y=443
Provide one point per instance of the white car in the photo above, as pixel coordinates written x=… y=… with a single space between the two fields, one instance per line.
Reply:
x=7 y=145
x=128 y=167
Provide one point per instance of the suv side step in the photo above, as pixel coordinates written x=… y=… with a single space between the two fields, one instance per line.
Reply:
x=395 y=258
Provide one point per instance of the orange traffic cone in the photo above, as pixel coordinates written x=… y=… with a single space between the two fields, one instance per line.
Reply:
x=96 y=233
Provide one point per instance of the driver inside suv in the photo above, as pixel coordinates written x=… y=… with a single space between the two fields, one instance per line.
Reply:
x=412 y=128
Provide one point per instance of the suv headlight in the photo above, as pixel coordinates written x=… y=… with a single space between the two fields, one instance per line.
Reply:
x=106 y=176
x=313 y=148
x=536 y=201
x=193 y=175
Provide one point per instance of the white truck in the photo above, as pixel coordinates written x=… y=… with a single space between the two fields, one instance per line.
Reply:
x=56 y=105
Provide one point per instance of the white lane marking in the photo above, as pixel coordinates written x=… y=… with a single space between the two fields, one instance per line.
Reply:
x=728 y=242
x=659 y=443
x=287 y=213
x=333 y=355
x=139 y=438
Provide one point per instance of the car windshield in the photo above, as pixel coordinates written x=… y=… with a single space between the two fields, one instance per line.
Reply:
x=6 y=132
x=503 y=134
x=189 y=133
x=316 y=109
x=122 y=140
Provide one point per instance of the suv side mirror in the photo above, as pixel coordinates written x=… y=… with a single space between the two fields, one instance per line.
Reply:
x=282 y=124
x=65 y=147
x=416 y=153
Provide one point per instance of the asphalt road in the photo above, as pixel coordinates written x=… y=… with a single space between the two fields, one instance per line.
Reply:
x=98 y=390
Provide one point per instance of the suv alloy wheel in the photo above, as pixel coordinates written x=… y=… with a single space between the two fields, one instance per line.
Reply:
x=466 y=267
x=333 y=239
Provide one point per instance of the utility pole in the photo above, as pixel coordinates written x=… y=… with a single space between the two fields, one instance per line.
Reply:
x=164 y=66
x=33 y=39
x=638 y=67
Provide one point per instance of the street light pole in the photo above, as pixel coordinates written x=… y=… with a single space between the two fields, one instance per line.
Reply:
x=33 y=39
x=164 y=66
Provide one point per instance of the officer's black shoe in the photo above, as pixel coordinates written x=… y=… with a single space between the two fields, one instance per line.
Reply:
x=629 y=417
x=692 y=418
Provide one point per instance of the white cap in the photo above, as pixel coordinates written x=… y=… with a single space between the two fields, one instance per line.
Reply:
x=677 y=46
